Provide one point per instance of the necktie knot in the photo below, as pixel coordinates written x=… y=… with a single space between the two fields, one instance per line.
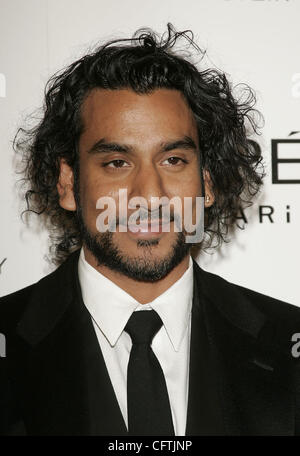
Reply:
x=143 y=325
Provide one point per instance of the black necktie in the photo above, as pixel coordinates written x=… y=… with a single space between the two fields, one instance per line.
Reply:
x=149 y=411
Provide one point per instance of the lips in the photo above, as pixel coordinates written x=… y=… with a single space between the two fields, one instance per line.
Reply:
x=148 y=229
x=155 y=227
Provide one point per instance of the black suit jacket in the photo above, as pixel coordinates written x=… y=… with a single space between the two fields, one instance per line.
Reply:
x=53 y=381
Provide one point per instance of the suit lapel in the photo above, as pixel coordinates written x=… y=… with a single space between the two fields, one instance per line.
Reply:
x=67 y=389
x=251 y=375
x=203 y=414
x=105 y=417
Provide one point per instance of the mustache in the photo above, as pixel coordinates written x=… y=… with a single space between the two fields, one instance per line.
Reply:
x=156 y=215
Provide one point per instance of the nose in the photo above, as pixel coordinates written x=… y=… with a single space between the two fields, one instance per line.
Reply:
x=148 y=183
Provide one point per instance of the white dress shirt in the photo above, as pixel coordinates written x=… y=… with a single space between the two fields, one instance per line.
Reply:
x=110 y=308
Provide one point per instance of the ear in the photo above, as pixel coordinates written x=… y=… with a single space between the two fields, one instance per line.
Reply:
x=209 y=194
x=65 y=186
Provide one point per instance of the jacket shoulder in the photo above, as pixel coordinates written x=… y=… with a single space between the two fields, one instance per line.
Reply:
x=273 y=309
x=12 y=307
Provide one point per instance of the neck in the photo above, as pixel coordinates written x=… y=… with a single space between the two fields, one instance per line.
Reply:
x=143 y=292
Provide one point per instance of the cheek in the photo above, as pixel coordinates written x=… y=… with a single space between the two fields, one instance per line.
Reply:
x=98 y=199
x=90 y=185
x=190 y=187
x=189 y=191
x=90 y=192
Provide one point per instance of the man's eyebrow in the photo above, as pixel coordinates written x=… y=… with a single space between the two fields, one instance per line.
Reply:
x=102 y=146
x=185 y=143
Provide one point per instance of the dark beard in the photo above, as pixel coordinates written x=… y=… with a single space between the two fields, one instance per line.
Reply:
x=103 y=248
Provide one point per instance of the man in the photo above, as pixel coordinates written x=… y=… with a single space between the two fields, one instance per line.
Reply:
x=129 y=336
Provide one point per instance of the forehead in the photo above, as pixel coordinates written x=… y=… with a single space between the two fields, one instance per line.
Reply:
x=117 y=112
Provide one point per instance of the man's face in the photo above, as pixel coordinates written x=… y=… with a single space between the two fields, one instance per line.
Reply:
x=146 y=144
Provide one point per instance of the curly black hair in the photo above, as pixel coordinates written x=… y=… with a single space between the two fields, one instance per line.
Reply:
x=143 y=63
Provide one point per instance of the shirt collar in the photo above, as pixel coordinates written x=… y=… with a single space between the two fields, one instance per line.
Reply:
x=110 y=306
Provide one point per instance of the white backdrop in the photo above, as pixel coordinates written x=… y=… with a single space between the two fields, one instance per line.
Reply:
x=254 y=41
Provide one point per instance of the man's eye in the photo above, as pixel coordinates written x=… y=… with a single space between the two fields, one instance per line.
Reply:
x=119 y=163
x=174 y=160
x=115 y=164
